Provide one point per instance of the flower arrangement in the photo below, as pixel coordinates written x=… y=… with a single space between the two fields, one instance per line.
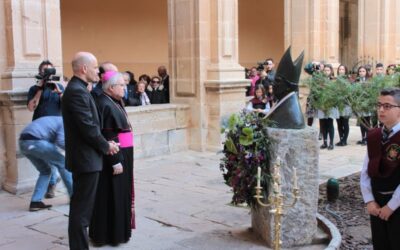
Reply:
x=247 y=146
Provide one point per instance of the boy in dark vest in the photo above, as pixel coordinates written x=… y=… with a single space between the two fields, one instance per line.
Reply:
x=380 y=176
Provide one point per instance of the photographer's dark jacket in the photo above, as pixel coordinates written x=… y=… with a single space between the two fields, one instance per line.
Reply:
x=49 y=102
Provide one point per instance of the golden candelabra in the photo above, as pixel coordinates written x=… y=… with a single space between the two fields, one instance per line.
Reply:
x=276 y=200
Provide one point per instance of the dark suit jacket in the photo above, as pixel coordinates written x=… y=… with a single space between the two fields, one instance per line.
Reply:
x=84 y=143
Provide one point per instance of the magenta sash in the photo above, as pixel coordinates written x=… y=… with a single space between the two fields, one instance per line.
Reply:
x=125 y=139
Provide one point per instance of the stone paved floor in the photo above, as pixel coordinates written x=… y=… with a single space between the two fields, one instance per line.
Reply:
x=181 y=203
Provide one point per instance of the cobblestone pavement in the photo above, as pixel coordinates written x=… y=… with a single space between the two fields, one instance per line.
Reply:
x=181 y=203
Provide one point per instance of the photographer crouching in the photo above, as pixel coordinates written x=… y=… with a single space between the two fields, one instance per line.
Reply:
x=39 y=142
x=44 y=99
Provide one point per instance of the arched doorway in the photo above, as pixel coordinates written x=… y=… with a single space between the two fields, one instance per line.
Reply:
x=132 y=34
x=348 y=33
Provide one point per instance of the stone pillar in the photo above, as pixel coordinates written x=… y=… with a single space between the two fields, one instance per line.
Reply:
x=313 y=26
x=379 y=29
x=226 y=83
x=296 y=148
x=205 y=72
x=20 y=174
x=32 y=33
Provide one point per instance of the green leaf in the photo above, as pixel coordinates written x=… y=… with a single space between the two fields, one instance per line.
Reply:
x=247 y=136
x=230 y=146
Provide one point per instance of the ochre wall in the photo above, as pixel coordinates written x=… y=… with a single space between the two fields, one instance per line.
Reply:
x=133 y=34
x=261 y=31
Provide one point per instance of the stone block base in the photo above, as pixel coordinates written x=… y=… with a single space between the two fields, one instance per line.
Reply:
x=296 y=148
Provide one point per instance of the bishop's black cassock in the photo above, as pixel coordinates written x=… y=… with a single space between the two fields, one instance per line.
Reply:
x=113 y=214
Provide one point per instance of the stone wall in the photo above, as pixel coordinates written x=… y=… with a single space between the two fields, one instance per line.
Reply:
x=159 y=129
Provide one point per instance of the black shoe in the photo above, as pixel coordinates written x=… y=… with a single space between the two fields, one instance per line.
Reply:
x=364 y=142
x=323 y=146
x=51 y=190
x=339 y=144
x=330 y=147
x=360 y=142
x=38 y=205
x=344 y=143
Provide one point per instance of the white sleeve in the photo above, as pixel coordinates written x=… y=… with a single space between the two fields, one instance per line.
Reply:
x=365 y=182
x=249 y=107
x=267 y=108
x=394 y=203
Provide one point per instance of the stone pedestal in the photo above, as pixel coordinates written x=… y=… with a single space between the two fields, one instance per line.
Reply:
x=296 y=148
x=17 y=173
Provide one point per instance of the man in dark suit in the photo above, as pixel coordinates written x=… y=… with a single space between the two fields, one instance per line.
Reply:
x=84 y=146
x=162 y=73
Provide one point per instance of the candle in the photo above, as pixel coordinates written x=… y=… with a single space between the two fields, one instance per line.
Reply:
x=258 y=177
x=294 y=177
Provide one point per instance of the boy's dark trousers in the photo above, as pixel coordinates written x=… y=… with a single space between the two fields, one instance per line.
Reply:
x=385 y=234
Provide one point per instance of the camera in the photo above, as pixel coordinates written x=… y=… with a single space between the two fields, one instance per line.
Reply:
x=49 y=78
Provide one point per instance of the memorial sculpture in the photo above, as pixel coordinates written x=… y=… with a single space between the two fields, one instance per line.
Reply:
x=287 y=217
x=287 y=112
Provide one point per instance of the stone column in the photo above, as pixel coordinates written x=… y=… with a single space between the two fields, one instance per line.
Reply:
x=313 y=26
x=331 y=34
x=205 y=72
x=379 y=28
x=226 y=83
x=33 y=33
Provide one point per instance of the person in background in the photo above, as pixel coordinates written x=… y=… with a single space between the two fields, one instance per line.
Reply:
x=39 y=142
x=97 y=87
x=263 y=79
x=270 y=96
x=270 y=69
x=84 y=146
x=254 y=78
x=380 y=174
x=345 y=114
x=129 y=78
x=113 y=216
x=162 y=73
x=259 y=103
x=145 y=78
x=326 y=118
x=365 y=118
x=156 y=92
x=379 y=70
x=391 y=69
x=44 y=99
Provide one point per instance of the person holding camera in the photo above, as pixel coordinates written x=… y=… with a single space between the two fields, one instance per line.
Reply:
x=44 y=99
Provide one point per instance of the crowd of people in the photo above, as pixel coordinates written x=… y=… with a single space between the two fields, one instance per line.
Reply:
x=363 y=74
x=261 y=87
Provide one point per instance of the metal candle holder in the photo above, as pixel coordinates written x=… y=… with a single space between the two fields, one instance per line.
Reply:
x=276 y=199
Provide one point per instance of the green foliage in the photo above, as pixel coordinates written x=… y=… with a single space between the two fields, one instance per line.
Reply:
x=247 y=146
x=326 y=94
